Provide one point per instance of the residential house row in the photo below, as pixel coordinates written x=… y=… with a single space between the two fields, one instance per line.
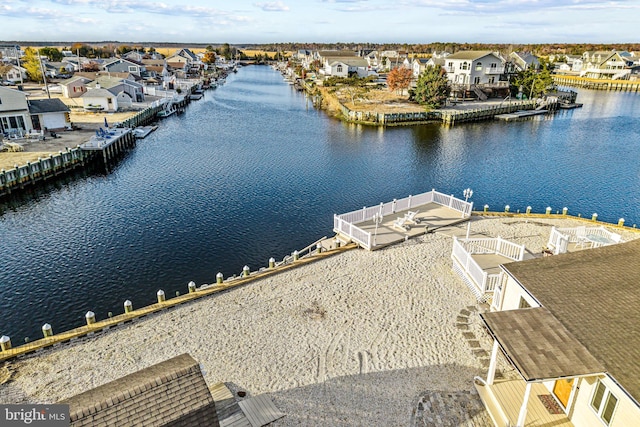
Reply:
x=111 y=84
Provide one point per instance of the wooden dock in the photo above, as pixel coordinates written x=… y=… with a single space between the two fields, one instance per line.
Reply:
x=111 y=143
x=517 y=115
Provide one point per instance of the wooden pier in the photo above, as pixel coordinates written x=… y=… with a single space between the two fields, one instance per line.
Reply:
x=114 y=142
x=517 y=115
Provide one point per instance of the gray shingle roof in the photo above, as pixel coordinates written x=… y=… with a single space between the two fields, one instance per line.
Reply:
x=470 y=54
x=40 y=106
x=539 y=346
x=172 y=392
x=595 y=294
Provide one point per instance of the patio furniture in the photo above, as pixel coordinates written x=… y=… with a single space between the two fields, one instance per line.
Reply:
x=401 y=223
x=597 y=240
x=411 y=217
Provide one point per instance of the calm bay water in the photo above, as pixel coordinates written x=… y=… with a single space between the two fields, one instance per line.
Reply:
x=253 y=171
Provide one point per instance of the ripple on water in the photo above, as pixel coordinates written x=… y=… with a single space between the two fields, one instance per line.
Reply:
x=252 y=171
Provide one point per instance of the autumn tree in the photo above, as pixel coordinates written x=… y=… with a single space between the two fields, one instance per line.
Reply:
x=432 y=88
x=399 y=79
x=31 y=63
x=209 y=57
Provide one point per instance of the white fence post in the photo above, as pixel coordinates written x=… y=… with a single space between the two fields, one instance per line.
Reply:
x=450 y=200
x=364 y=213
x=409 y=202
x=499 y=245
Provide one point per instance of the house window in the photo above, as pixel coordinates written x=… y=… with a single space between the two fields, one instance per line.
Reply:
x=523 y=303
x=603 y=402
x=479 y=66
x=339 y=69
x=464 y=66
x=494 y=65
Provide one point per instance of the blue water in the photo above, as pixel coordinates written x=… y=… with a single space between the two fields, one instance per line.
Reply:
x=253 y=171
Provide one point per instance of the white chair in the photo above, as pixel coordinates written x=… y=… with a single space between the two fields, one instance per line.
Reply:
x=411 y=217
x=401 y=223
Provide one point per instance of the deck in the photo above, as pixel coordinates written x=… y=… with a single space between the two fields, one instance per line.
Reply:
x=520 y=115
x=504 y=398
x=429 y=218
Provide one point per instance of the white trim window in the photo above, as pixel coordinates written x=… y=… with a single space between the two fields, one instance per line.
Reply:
x=603 y=402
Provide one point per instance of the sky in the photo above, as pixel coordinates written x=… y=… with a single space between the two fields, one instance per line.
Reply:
x=322 y=21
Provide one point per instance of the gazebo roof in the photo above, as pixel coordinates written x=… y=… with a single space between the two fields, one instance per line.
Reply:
x=539 y=346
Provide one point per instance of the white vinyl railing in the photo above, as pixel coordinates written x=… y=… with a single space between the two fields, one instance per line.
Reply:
x=497 y=245
x=464 y=249
x=559 y=238
x=345 y=223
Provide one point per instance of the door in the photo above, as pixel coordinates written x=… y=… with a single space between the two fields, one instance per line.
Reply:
x=562 y=390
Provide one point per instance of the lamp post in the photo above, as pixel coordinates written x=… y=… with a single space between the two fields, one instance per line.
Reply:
x=377 y=218
x=467 y=193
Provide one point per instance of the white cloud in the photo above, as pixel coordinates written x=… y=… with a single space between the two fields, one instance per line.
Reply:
x=274 y=6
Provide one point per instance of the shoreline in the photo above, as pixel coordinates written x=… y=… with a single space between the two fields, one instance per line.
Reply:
x=352 y=339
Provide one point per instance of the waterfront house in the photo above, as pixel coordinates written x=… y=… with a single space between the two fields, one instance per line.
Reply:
x=125 y=88
x=50 y=114
x=121 y=65
x=15 y=118
x=476 y=74
x=568 y=324
x=189 y=61
x=345 y=66
x=607 y=65
x=524 y=60
x=474 y=67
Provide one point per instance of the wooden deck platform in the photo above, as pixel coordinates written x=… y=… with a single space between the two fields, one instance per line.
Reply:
x=255 y=411
x=504 y=398
x=520 y=115
x=430 y=217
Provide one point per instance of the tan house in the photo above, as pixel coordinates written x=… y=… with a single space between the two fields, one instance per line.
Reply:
x=569 y=325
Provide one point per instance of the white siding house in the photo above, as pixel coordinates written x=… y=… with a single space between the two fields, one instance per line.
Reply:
x=474 y=67
x=575 y=317
x=14 y=112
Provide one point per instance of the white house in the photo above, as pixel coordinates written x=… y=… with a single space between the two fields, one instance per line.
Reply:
x=14 y=112
x=607 y=65
x=345 y=66
x=98 y=99
x=524 y=60
x=474 y=67
x=568 y=324
x=15 y=74
x=51 y=114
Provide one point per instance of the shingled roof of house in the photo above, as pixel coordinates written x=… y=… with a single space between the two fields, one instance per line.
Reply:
x=172 y=392
x=41 y=106
x=595 y=294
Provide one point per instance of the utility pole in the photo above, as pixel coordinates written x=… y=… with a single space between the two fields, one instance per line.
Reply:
x=44 y=77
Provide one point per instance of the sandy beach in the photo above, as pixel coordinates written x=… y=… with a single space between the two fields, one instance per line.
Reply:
x=352 y=340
